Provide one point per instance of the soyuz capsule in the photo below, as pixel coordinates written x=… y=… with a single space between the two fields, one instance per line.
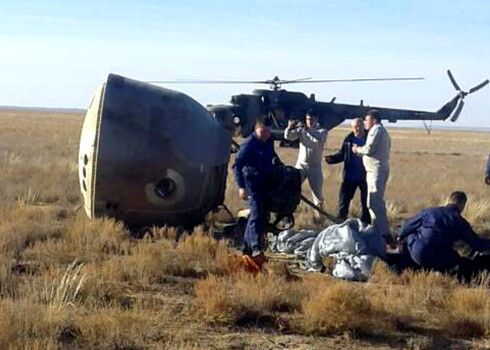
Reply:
x=151 y=156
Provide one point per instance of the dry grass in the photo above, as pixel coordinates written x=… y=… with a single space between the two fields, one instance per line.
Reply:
x=337 y=308
x=477 y=211
x=95 y=239
x=195 y=256
x=324 y=306
x=115 y=329
x=26 y=324
x=153 y=293
x=245 y=299
x=8 y=280
x=466 y=313
x=23 y=225
x=61 y=290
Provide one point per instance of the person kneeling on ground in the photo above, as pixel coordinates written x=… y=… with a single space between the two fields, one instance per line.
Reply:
x=428 y=239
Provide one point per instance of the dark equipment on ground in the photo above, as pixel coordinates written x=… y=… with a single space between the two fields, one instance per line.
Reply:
x=154 y=156
x=283 y=197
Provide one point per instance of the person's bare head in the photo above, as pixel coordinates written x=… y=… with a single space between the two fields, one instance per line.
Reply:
x=311 y=119
x=357 y=127
x=263 y=129
x=459 y=199
x=372 y=118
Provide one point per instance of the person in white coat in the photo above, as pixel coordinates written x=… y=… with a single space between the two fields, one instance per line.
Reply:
x=311 y=138
x=376 y=157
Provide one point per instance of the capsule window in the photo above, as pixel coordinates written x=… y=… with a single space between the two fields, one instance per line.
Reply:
x=164 y=188
x=85 y=160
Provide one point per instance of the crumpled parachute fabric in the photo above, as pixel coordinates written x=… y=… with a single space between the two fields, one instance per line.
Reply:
x=352 y=247
x=295 y=242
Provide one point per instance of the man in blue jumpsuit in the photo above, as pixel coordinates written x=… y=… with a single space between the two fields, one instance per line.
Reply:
x=428 y=239
x=252 y=171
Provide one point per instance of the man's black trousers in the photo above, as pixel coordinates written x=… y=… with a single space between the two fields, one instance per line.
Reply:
x=346 y=193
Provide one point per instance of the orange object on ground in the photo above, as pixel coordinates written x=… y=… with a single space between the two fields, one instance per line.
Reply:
x=253 y=264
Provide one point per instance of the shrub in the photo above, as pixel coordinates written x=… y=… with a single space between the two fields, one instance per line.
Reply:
x=337 y=308
x=246 y=299
x=466 y=313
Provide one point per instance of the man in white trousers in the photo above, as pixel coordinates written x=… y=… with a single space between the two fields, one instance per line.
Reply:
x=311 y=138
x=376 y=156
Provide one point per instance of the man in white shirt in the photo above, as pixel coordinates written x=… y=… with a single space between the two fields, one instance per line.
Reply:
x=375 y=156
x=311 y=138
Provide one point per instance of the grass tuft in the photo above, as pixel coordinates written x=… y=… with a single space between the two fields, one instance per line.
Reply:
x=466 y=313
x=245 y=299
x=63 y=289
x=337 y=308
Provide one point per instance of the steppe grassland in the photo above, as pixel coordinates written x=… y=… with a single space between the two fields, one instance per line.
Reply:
x=66 y=281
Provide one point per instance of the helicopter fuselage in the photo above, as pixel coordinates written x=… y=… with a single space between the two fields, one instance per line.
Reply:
x=282 y=105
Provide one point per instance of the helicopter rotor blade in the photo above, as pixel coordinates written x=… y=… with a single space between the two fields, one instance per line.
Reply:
x=478 y=87
x=194 y=81
x=296 y=80
x=203 y=81
x=453 y=81
x=354 y=80
x=275 y=81
x=458 y=110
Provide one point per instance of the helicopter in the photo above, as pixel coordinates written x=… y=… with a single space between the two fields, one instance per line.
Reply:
x=281 y=105
x=154 y=156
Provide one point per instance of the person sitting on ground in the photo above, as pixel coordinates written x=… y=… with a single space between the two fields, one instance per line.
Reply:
x=311 y=138
x=428 y=239
x=354 y=174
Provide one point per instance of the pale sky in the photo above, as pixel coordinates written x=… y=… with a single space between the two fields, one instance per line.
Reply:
x=55 y=53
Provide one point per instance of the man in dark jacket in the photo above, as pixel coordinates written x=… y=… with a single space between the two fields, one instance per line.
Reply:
x=487 y=172
x=252 y=171
x=428 y=239
x=354 y=175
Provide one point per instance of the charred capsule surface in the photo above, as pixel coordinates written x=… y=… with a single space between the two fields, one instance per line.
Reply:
x=150 y=155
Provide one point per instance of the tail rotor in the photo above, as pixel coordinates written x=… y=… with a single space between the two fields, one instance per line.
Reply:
x=462 y=94
x=458 y=110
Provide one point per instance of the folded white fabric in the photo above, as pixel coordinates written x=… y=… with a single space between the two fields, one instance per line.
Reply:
x=352 y=246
